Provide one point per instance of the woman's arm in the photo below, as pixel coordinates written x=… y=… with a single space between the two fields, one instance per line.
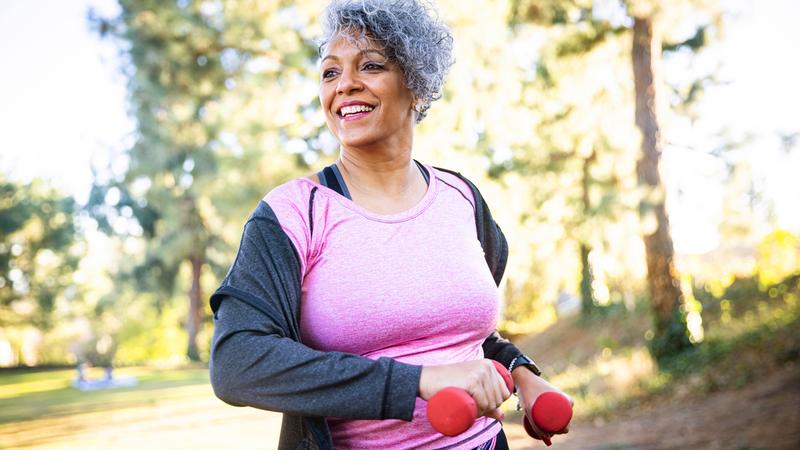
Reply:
x=257 y=358
x=254 y=363
x=529 y=386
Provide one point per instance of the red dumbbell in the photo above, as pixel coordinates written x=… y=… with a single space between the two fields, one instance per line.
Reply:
x=452 y=411
x=551 y=412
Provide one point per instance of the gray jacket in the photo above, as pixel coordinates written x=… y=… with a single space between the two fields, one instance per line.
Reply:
x=258 y=358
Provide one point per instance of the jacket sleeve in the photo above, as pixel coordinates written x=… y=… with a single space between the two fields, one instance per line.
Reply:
x=257 y=358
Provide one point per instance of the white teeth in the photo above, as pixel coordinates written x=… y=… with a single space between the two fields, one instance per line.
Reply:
x=352 y=109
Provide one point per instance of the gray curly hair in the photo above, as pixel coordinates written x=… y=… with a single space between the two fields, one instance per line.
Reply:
x=409 y=31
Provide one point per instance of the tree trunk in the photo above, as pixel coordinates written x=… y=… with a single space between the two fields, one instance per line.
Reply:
x=195 y=308
x=671 y=335
x=587 y=291
x=588 y=304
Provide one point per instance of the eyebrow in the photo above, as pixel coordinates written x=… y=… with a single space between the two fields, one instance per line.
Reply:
x=361 y=53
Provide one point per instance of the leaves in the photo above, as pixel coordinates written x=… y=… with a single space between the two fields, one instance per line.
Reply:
x=38 y=251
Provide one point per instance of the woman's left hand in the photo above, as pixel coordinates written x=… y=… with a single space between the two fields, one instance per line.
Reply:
x=529 y=387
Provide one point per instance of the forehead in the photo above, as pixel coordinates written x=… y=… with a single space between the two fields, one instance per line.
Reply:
x=342 y=44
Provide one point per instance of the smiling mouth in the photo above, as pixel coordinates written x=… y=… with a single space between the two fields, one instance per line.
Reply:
x=353 y=112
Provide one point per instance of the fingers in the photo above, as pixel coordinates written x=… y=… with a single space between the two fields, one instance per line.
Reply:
x=501 y=383
x=491 y=390
x=542 y=435
x=496 y=414
x=479 y=378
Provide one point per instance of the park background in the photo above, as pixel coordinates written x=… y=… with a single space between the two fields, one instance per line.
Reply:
x=138 y=135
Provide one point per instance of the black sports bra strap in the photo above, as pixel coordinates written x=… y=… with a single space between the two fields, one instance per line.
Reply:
x=424 y=171
x=331 y=178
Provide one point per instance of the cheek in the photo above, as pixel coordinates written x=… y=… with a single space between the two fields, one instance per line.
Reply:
x=324 y=98
x=325 y=101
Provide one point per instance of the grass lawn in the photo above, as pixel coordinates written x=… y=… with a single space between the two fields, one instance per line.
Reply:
x=167 y=409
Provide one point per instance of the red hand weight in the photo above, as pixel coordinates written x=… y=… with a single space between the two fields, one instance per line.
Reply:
x=551 y=412
x=452 y=411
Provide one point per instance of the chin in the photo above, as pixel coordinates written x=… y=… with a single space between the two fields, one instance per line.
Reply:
x=358 y=141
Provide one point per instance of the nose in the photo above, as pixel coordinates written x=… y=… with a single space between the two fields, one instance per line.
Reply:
x=348 y=82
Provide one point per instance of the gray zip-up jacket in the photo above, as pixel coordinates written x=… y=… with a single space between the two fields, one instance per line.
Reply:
x=258 y=357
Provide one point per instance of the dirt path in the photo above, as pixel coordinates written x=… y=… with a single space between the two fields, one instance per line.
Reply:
x=196 y=420
x=763 y=415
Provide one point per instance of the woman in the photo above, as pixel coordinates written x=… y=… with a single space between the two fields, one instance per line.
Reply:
x=360 y=292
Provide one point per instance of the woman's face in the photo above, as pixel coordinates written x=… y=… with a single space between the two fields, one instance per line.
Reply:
x=364 y=96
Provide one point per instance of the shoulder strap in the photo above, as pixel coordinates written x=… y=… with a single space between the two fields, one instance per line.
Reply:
x=330 y=177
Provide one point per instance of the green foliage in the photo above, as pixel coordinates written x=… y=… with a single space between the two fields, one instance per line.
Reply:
x=671 y=337
x=149 y=337
x=586 y=37
x=208 y=144
x=556 y=12
x=750 y=332
x=736 y=359
x=745 y=297
x=693 y=43
x=39 y=252
x=778 y=255
x=605 y=366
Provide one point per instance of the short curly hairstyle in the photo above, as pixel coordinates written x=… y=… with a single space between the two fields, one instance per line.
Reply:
x=411 y=35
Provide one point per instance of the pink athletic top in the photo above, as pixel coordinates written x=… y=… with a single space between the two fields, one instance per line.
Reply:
x=412 y=286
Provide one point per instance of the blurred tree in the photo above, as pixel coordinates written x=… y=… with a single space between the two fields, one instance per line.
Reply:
x=208 y=92
x=588 y=300
x=39 y=251
x=671 y=333
x=581 y=27
x=583 y=137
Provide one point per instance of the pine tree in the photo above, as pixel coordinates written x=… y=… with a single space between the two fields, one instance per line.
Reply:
x=582 y=26
x=206 y=89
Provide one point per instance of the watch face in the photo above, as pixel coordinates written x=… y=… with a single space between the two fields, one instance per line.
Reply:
x=523 y=360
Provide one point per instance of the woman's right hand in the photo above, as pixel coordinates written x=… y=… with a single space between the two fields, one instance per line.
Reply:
x=479 y=378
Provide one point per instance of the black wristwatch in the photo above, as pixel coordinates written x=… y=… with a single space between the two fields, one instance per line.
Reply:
x=523 y=360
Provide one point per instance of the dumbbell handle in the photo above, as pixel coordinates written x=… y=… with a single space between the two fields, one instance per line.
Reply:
x=551 y=412
x=452 y=411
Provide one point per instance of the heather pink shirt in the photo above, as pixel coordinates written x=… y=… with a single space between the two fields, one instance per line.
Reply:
x=412 y=286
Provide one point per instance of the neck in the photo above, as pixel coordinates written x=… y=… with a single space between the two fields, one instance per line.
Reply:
x=371 y=173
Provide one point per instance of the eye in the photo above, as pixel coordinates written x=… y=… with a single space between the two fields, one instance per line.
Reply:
x=373 y=66
x=327 y=74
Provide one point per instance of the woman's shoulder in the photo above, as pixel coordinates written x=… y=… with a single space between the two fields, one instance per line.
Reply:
x=295 y=191
x=455 y=180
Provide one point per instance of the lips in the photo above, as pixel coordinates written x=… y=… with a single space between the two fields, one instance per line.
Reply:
x=353 y=110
